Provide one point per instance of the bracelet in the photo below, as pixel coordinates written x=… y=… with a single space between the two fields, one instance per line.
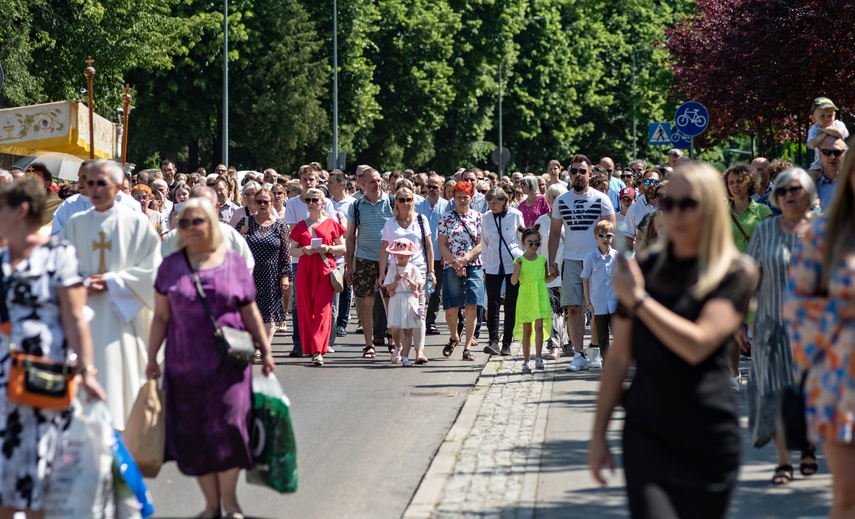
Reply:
x=638 y=303
x=88 y=370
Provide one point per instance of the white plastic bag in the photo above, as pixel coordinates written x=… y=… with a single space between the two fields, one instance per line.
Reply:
x=81 y=485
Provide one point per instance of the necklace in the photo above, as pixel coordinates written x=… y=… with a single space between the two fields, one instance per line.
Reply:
x=405 y=222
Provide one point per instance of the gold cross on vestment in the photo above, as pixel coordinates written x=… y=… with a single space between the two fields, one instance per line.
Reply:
x=102 y=265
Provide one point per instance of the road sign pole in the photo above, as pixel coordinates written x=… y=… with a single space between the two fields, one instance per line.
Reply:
x=692 y=148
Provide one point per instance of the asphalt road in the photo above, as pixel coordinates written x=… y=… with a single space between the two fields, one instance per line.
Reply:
x=366 y=433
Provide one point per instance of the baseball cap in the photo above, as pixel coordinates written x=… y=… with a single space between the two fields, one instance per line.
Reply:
x=823 y=102
x=627 y=191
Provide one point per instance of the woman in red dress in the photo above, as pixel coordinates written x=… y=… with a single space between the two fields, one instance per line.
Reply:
x=314 y=305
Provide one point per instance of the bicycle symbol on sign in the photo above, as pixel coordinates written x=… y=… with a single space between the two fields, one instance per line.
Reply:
x=691 y=117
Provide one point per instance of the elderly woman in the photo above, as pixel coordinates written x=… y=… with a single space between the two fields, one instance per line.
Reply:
x=313 y=275
x=500 y=246
x=743 y=182
x=820 y=317
x=267 y=238
x=679 y=307
x=247 y=198
x=45 y=296
x=208 y=400
x=142 y=194
x=416 y=228
x=559 y=337
x=459 y=243
x=534 y=204
x=771 y=246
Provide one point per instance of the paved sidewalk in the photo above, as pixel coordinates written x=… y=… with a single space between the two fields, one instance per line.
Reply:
x=519 y=450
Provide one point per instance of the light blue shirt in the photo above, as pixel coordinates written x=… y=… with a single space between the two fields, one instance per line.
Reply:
x=372 y=218
x=433 y=214
x=599 y=270
x=825 y=188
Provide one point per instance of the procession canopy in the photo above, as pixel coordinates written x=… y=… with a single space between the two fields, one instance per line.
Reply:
x=62 y=127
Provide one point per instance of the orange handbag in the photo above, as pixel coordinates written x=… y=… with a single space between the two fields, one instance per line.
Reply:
x=40 y=382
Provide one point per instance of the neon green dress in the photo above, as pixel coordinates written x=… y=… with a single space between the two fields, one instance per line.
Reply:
x=533 y=299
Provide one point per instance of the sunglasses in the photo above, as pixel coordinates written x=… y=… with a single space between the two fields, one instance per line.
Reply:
x=651 y=182
x=605 y=235
x=829 y=153
x=184 y=223
x=140 y=197
x=580 y=171
x=431 y=187
x=404 y=200
x=312 y=200
x=483 y=191
x=532 y=244
x=666 y=205
x=262 y=202
x=278 y=193
x=99 y=183
x=219 y=171
x=628 y=175
x=784 y=191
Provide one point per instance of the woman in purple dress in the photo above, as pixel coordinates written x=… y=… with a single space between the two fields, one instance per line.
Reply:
x=208 y=400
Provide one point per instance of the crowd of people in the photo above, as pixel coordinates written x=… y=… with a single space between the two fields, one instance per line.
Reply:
x=661 y=262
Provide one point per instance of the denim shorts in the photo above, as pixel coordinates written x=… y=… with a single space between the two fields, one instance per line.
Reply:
x=459 y=291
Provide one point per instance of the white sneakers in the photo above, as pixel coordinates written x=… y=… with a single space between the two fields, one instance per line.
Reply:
x=735 y=382
x=579 y=363
x=538 y=364
x=596 y=360
x=526 y=368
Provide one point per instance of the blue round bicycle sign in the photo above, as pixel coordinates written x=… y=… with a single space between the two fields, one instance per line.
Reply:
x=691 y=118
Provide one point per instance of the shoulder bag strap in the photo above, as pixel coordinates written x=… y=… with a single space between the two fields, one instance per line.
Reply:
x=465 y=228
x=502 y=240
x=201 y=292
x=424 y=237
x=323 y=256
x=739 y=226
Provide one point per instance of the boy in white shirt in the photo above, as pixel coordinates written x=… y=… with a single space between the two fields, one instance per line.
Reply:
x=823 y=114
x=598 y=267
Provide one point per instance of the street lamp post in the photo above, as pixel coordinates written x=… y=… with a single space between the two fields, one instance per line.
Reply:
x=226 y=83
x=632 y=95
x=335 y=83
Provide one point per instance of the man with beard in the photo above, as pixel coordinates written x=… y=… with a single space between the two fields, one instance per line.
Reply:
x=645 y=203
x=579 y=210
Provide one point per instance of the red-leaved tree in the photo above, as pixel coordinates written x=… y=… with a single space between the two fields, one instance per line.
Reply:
x=757 y=64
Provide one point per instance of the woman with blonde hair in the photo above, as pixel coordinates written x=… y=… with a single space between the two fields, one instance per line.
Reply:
x=679 y=306
x=208 y=400
x=820 y=316
x=247 y=200
x=448 y=188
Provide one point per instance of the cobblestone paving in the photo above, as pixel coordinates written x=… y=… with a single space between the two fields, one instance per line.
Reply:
x=488 y=478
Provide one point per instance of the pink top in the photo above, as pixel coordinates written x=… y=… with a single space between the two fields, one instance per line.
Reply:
x=532 y=212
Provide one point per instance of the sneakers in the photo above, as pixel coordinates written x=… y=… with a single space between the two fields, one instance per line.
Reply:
x=538 y=364
x=735 y=383
x=406 y=362
x=330 y=349
x=506 y=350
x=340 y=332
x=596 y=360
x=553 y=354
x=526 y=368
x=492 y=348
x=579 y=362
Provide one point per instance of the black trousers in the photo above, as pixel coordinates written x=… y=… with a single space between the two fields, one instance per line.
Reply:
x=493 y=284
x=379 y=331
x=436 y=297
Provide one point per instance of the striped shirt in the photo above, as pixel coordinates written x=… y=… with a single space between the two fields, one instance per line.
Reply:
x=372 y=218
x=580 y=213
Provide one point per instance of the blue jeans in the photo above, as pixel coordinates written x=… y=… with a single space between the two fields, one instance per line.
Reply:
x=335 y=300
x=345 y=297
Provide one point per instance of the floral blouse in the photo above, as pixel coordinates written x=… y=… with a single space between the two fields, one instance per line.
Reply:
x=463 y=232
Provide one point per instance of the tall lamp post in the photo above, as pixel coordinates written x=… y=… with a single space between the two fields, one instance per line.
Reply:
x=501 y=141
x=632 y=95
x=335 y=82
x=226 y=83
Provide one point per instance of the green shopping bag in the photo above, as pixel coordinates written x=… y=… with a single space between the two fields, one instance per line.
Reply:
x=274 y=448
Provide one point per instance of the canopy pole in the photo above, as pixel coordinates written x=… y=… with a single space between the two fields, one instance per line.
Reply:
x=126 y=105
x=89 y=72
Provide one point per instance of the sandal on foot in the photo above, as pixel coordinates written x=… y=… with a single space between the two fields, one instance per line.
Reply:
x=209 y=514
x=449 y=348
x=783 y=475
x=808 y=465
x=467 y=355
x=421 y=359
x=368 y=352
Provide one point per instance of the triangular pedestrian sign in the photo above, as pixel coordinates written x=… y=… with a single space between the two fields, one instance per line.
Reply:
x=660 y=136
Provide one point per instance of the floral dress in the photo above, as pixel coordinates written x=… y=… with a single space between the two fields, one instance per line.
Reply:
x=462 y=231
x=28 y=436
x=822 y=342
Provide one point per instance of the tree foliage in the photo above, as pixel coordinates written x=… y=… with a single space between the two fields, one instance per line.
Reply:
x=757 y=64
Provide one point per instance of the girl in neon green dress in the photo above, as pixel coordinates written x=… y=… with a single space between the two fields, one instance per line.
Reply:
x=534 y=312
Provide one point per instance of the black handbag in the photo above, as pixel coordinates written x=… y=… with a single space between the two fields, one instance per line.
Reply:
x=792 y=422
x=235 y=346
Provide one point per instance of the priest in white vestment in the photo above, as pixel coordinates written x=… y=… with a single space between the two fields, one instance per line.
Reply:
x=119 y=252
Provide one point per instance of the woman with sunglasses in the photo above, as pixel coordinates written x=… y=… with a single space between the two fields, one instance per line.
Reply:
x=628 y=177
x=743 y=182
x=208 y=400
x=280 y=199
x=534 y=204
x=142 y=194
x=772 y=245
x=267 y=238
x=416 y=228
x=679 y=306
x=820 y=316
x=314 y=306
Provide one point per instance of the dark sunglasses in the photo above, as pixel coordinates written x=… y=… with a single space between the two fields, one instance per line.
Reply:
x=262 y=202
x=605 y=235
x=829 y=153
x=184 y=223
x=141 y=197
x=628 y=175
x=431 y=187
x=580 y=171
x=651 y=182
x=277 y=193
x=666 y=205
x=532 y=244
x=219 y=171
x=404 y=200
x=312 y=200
x=99 y=183
x=784 y=191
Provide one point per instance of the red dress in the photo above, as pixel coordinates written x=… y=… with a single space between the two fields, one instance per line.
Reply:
x=314 y=290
